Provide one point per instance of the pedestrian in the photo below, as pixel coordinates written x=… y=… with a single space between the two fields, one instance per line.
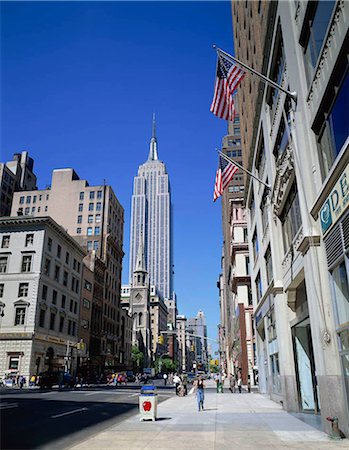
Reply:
x=249 y=384
x=22 y=382
x=232 y=383
x=177 y=382
x=200 y=396
x=165 y=378
x=239 y=384
x=185 y=383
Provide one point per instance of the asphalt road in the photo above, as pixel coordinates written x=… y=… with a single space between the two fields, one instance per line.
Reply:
x=53 y=419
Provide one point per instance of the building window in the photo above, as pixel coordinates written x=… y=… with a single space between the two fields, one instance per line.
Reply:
x=1 y=290
x=268 y=265
x=95 y=245
x=99 y=194
x=315 y=35
x=47 y=196
x=21 y=200
x=29 y=199
x=42 y=318
x=34 y=199
x=258 y=284
x=46 y=208
x=59 y=251
x=98 y=218
x=89 y=231
x=75 y=307
x=13 y=363
x=79 y=219
x=92 y=195
x=340 y=284
x=86 y=303
x=98 y=206
x=89 y=246
x=264 y=210
x=255 y=245
x=97 y=231
x=67 y=256
x=44 y=292
x=29 y=239
x=252 y=208
x=65 y=278
x=277 y=71
x=87 y=285
x=69 y=326
x=27 y=211
x=57 y=271
x=275 y=373
x=23 y=289
x=33 y=210
x=78 y=230
x=26 y=263
x=81 y=196
x=20 y=315
x=335 y=129
x=47 y=267
x=291 y=218
x=49 y=244
x=81 y=207
x=61 y=324
x=54 y=297
x=90 y=206
x=90 y=218
x=64 y=298
x=73 y=328
x=52 y=321
x=5 y=242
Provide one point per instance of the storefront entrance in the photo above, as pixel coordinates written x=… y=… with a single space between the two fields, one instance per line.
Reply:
x=305 y=368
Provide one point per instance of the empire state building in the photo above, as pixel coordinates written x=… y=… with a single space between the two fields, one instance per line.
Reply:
x=151 y=220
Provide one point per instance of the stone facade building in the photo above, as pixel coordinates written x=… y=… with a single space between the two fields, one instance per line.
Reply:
x=298 y=230
x=41 y=269
x=95 y=218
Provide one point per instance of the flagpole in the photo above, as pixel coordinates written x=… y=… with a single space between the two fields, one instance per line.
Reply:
x=267 y=80
x=227 y=158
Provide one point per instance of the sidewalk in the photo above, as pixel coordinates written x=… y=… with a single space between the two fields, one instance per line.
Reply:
x=229 y=421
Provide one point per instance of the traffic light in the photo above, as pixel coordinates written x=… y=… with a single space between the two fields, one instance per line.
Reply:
x=160 y=339
x=80 y=345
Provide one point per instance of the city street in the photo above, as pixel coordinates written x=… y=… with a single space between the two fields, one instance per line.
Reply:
x=55 y=419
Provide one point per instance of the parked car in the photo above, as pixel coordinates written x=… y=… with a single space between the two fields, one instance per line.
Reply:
x=49 y=379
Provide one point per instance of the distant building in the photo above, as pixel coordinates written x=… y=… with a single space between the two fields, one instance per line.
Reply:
x=151 y=217
x=15 y=175
x=198 y=327
x=182 y=343
x=41 y=268
x=95 y=218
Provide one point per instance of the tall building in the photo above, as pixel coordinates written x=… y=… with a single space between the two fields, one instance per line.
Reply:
x=95 y=218
x=298 y=231
x=41 y=269
x=197 y=326
x=236 y=331
x=15 y=175
x=151 y=216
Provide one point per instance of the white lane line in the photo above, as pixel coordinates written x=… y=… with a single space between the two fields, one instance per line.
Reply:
x=134 y=395
x=68 y=412
x=8 y=405
x=96 y=392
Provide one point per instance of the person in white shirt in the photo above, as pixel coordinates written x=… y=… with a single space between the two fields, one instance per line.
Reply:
x=177 y=382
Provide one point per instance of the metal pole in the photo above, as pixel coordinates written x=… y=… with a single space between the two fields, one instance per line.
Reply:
x=227 y=158
x=267 y=80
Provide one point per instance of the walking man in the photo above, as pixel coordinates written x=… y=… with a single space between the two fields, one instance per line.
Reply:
x=239 y=384
x=177 y=382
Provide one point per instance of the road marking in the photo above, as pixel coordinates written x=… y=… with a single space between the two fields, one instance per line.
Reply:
x=8 y=405
x=68 y=412
x=133 y=395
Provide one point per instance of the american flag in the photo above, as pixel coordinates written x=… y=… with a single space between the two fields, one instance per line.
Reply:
x=225 y=172
x=227 y=80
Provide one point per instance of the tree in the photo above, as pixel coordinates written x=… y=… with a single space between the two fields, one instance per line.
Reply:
x=165 y=364
x=137 y=356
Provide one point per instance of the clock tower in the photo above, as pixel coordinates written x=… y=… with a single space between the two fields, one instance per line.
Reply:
x=140 y=306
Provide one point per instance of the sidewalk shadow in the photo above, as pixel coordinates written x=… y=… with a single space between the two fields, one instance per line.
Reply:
x=163 y=418
x=210 y=409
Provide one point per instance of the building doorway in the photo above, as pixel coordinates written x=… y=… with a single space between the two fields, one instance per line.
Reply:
x=305 y=368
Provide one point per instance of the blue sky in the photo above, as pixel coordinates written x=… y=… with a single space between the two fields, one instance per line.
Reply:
x=80 y=81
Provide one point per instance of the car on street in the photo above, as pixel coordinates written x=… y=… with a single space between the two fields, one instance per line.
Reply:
x=56 y=377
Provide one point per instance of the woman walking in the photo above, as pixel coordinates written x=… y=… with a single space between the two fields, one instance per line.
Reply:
x=200 y=397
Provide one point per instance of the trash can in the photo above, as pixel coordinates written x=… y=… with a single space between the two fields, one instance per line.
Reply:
x=148 y=403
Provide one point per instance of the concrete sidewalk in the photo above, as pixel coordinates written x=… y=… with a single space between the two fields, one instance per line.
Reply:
x=229 y=421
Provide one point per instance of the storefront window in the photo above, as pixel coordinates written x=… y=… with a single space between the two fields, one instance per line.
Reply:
x=341 y=292
x=275 y=373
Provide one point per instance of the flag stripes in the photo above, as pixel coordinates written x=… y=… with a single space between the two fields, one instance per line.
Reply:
x=225 y=172
x=228 y=78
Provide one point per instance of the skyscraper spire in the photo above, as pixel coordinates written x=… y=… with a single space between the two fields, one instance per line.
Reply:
x=153 y=152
